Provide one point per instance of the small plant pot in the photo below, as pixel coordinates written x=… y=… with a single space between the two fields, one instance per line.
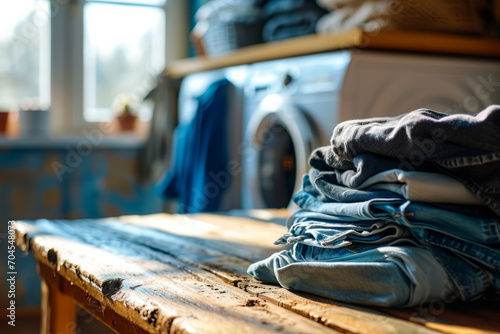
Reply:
x=34 y=123
x=4 y=119
x=127 y=122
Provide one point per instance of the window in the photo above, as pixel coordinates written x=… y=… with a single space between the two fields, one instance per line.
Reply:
x=24 y=52
x=124 y=50
x=77 y=56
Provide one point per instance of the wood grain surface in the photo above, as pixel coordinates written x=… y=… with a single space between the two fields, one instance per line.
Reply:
x=187 y=274
x=354 y=39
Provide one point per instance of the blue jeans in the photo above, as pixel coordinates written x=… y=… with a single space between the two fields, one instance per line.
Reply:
x=466 y=147
x=470 y=255
x=311 y=229
x=438 y=136
x=422 y=186
x=353 y=173
x=398 y=276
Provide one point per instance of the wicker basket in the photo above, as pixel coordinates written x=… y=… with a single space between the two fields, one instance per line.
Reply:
x=224 y=36
x=452 y=16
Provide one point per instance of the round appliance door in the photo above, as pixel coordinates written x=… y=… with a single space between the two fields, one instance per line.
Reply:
x=284 y=139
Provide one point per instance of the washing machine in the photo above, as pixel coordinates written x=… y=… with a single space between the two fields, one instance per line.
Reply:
x=193 y=86
x=292 y=106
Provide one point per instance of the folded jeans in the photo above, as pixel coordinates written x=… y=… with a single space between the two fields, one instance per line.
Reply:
x=384 y=276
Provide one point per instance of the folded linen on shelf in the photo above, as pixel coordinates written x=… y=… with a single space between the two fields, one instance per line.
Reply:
x=290 y=18
x=368 y=15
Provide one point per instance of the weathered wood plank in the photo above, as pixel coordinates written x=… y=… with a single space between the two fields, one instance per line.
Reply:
x=332 y=314
x=87 y=303
x=232 y=269
x=158 y=292
x=244 y=237
x=225 y=246
x=476 y=318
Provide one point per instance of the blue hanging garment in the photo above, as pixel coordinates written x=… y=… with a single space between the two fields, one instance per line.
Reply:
x=200 y=151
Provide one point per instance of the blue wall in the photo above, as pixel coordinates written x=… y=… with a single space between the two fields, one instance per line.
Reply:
x=59 y=183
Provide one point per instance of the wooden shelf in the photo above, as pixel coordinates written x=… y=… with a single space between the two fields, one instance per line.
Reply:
x=434 y=43
x=385 y=40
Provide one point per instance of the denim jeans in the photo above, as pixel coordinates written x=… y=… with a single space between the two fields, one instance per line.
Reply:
x=466 y=147
x=398 y=276
x=353 y=173
x=470 y=255
x=373 y=246
x=438 y=135
x=421 y=187
x=320 y=232
x=465 y=239
x=328 y=190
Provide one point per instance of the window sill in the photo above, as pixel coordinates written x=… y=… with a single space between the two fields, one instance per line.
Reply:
x=122 y=141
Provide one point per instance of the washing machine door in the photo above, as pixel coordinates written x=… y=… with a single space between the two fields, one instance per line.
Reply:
x=283 y=139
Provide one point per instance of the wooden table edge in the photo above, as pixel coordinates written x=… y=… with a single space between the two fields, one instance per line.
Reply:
x=60 y=300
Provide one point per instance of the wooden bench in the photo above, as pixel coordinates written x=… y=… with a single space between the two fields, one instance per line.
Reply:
x=187 y=274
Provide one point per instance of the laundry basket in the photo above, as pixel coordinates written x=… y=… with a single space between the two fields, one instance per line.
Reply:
x=224 y=36
x=452 y=16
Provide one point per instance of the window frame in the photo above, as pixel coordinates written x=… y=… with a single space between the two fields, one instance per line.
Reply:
x=67 y=58
x=41 y=23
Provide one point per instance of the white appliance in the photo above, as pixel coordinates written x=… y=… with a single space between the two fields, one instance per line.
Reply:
x=292 y=106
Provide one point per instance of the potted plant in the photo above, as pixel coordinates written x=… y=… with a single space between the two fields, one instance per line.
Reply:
x=4 y=118
x=125 y=109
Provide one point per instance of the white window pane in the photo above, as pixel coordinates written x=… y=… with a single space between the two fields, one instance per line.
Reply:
x=124 y=51
x=141 y=2
x=24 y=52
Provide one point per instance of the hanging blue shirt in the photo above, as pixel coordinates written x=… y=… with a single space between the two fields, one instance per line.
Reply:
x=200 y=150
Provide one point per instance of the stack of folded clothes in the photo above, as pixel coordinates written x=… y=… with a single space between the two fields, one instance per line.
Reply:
x=290 y=18
x=398 y=212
